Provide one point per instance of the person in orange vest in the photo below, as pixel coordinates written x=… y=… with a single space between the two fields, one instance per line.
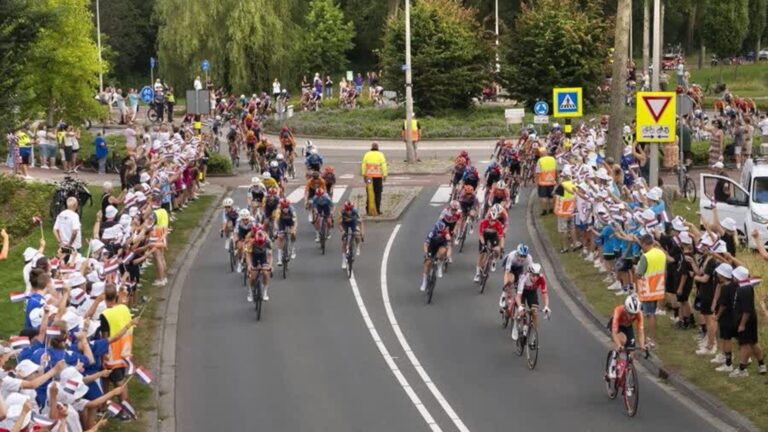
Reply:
x=546 y=179
x=415 y=134
x=112 y=321
x=565 y=206
x=374 y=170
x=651 y=274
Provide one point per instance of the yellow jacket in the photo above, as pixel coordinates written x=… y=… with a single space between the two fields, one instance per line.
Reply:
x=374 y=165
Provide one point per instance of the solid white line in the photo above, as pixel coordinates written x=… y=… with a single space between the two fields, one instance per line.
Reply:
x=296 y=196
x=480 y=194
x=404 y=342
x=338 y=192
x=390 y=361
x=442 y=194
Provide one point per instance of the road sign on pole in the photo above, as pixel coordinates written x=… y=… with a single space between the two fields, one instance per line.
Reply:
x=656 y=116
x=567 y=102
x=152 y=62
x=147 y=94
x=541 y=108
x=514 y=115
x=540 y=119
x=205 y=65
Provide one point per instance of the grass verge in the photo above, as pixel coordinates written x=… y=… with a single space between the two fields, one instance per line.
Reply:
x=676 y=347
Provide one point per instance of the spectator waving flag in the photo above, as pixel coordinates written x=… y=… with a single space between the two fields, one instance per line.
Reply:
x=37 y=220
x=114 y=408
x=53 y=332
x=144 y=375
x=111 y=266
x=19 y=342
x=42 y=420
x=17 y=297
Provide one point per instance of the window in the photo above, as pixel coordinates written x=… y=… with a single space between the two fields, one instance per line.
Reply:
x=760 y=190
x=724 y=190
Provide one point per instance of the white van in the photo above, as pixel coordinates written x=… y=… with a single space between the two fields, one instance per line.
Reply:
x=746 y=204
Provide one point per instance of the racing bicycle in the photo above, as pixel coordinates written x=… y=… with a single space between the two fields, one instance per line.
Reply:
x=528 y=338
x=286 y=258
x=349 y=254
x=626 y=381
x=431 y=277
x=485 y=271
x=466 y=227
x=256 y=287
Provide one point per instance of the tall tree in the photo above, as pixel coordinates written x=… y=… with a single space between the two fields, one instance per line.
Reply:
x=62 y=67
x=619 y=78
x=758 y=19
x=327 y=40
x=731 y=19
x=451 y=56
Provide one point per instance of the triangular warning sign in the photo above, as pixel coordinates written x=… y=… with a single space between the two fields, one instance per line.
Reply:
x=567 y=103
x=656 y=105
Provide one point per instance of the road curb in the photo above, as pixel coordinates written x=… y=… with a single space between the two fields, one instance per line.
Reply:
x=402 y=205
x=709 y=403
x=384 y=139
x=165 y=336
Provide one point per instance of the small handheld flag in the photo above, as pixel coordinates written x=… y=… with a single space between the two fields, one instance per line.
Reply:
x=144 y=375
x=19 y=342
x=41 y=420
x=130 y=367
x=128 y=407
x=70 y=387
x=17 y=297
x=114 y=408
x=53 y=332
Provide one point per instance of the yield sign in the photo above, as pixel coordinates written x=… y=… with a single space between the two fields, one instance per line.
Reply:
x=656 y=105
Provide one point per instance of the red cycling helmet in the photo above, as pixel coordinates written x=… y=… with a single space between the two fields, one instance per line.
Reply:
x=464 y=154
x=260 y=239
x=468 y=189
x=461 y=161
x=284 y=203
x=319 y=192
x=349 y=206
x=328 y=169
x=272 y=191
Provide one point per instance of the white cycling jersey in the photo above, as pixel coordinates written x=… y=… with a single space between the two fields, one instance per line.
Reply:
x=513 y=259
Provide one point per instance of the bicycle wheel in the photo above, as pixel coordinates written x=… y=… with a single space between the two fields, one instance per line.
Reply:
x=689 y=190
x=504 y=319
x=152 y=115
x=350 y=256
x=513 y=194
x=431 y=282
x=532 y=347
x=485 y=273
x=257 y=300
x=286 y=257
x=231 y=257
x=463 y=235
x=58 y=203
x=610 y=384
x=631 y=390
x=520 y=342
x=322 y=235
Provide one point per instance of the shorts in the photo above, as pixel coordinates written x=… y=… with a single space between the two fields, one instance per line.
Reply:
x=530 y=298
x=259 y=259
x=726 y=331
x=283 y=224
x=451 y=226
x=492 y=240
x=472 y=183
x=349 y=226
x=624 y=265
x=68 y=153
x=686 y=294
x=628 y=331
x=749 y=335
x=457 y=177
x=25 y=153
x=546 y=191
x=609 y=257
x=433 y=247
x=94 y=390
x=465 y=208
x=47 y=151
x=737 y=150
x=564 y=225
x=514 y=168
x=167 y=207
x=516 y=272
x=703 y=305
x=288 y=149
x=670 y=282
x=649 y=307
x=323 y=210
x=117 y=375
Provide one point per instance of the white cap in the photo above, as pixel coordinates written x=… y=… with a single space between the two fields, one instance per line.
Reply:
x=97 y=289
x=112 y=233
x=678 y=224
x=566 y=172
x=96 y=245
x=718 y=165
x=26 y=368
x=72 y=319
x=648 y=215
x=30 y=253
x=602 y=174
x=728 y=224
x=77 y=296
x=140 y=197
x=144 y=177
x=654 y=194
x=107 y=185
x=36 y=317
x=76 y=279
x=725 y=270
x=708 y=239
x=685 y=238
x=740 y=273
x=14 y=404
x=93 y=277
x=110 y=212
x=71 y=375
x=719 y=247
x=125 y=220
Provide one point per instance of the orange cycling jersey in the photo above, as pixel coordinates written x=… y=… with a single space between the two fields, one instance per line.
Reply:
x=622 y=319
x=313 y=184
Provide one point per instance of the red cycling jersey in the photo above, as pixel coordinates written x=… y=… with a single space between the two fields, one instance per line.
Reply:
x=623 y=319
x=488 y=224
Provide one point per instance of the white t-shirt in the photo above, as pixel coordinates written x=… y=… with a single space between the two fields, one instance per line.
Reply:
x=130 y=138
x=763 y=125
x=42 y=137
x=275 y=88
x=680 y=69
x=67 y=222
x=198 y=85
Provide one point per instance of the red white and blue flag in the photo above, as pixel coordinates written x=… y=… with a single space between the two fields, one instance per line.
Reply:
x=130 y=367
x=71 y=386
x=42 y=420
x=128 y=407
x=19 y=342
x=111 y=266
x=144 y=375
x=750 y=282
x=53 y=332
x=114 y=408
x=17 y=297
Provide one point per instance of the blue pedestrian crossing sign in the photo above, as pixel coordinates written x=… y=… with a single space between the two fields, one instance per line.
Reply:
x=147 y=94
x=541 y=108
x=567 y=102
x=205 y=65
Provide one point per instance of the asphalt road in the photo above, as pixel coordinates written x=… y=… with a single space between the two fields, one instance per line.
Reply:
x=313 y=363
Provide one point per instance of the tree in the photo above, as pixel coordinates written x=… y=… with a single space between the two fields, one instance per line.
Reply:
x=555 y=44
x=619 y=78
x=19 y=27
x=727 y=23
x=328 y=38
x=451 y=56
x=758 y=18
x=62 y=70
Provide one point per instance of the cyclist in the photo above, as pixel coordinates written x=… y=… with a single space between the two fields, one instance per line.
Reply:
x=469 y=205
x=286 y=222
x=471 y=177
x=288 y=144
x=515 y=262
x=260 y=263
x=322 y=205
x=308 y=148
x=500 y=194
x=492 y=174
x=450 y=216
x=435 y=245
x=527 y=295
x=250 y=143
x=268 y=181
x=243 y=229
x=314 y=183
x=622 y=332
x=255 y=196
x=277 y=173
x=458 y=171
x=490 y=232
x=228 y=219
x=465 y=155
x=350 y=222
x=314 y=161
x=283 y=164
x=271 y=202
x=329 y=178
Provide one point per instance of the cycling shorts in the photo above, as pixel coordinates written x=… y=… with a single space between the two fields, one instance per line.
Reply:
x=628 y=331
x=457 y=177
x=261 y=151
x=349 y=226
x=472 y=182
x=284 y=224
x=314 y=167
x=497 y=199
x=242 y=232
x=288 y=149
x=466 y=207
x=530 y=297
x=323 y=210
x=491 y=238
x=514 y=168
x=451 y=225
x=259 y=257
x=435 y=244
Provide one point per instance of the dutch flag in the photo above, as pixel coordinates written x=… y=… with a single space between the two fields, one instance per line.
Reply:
x=53 y=332
x=19 y=342
x=41 y=420
x=114 y=408
x=17 y=297
x=144 y=375
x=71 y=387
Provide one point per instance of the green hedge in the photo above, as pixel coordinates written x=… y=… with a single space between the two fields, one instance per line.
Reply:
x=219 y=164
x=20 y=201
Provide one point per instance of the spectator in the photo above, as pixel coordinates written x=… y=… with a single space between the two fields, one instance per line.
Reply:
x=275 y=88
x=101 y=152
x=130 y=138
x=726 y=316
x=4 y=250
x=546 y=179
x=359 y=83
x=680 y=72
x=133 y=102
x=328 y=87
x=763 y=126
x=716 y=142
x=67 y=228
x=198 y=84
x=158 y=239
x=170 y=101
x=749 y=133
x=121 y=108
x=73 y=136
x=47 y=148
x=746 y=332
x=651 y=272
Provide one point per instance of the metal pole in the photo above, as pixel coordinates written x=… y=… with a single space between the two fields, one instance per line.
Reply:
x=654 y=174
x=646 y=33
x=98 y=42
x=631 y=39
x=410 y=151
x=498 y=66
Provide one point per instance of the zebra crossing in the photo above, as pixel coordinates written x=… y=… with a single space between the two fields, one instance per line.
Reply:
x=443 y=194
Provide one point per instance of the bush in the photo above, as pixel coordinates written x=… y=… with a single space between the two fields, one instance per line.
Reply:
x=219 y=164
x=20 y=201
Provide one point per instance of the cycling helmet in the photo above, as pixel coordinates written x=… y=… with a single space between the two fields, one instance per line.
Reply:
x=535 y=268
x=245 y=214
x=493 y=164
x=266 y=175
x=228 y=202
x=522 y=250
x=272 y=191
x=280 y=156
x=555 y=126
x=319 y=192
x=494 y=213
x=260 y=239
x=349 y=205
x=632 y=304
x=315 y=175
x=284 y=203
x=464 y=154
x=472 y=169
x=441 y=227
x=468 y=189
x=455 y=205
x=255 y=180
x=218 y=117
x=328 y=169
x=309 y=144
x=498 y=208
x=461 y=160
x=273 y=164
x=313 y=151
x=501 y=184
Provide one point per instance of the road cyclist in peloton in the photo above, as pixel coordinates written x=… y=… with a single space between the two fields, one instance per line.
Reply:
x=243 y=228
x=515 y=263
x=350 y=223
x=490 y=232
x=623 y=332
x=469 y=206
x=435 y=246
x=256 y=193
x=322 y=204
x=530 y=283
x=314 y=183
x=259 y=262
x=229 y=217
x=287 y=223
x=450 y=216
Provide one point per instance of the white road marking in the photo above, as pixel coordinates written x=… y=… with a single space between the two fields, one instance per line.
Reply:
x=442 y=194
x=347 y=176
x=481 y=193
x=244 y=186
x=338 y=192
x=391 y=360
x=296 y=196
x=404 y=342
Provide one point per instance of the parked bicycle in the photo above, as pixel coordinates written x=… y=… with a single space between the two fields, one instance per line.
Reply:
x=69 y=187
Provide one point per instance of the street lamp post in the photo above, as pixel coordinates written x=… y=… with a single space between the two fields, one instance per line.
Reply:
x=98 y=42
x=410 y=152
x=657 y=30
x=498 y=67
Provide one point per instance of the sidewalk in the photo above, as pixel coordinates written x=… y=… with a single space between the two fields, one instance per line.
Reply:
x=54 y=175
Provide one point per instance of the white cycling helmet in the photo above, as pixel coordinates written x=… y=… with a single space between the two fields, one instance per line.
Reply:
x=228 y=202
x=495 y=213
x=266 y=175
x=255 y=180
x=245 y=214
x=632 y=304
x=313 y=151
x=273 y=164
x=280 y=156
x=501 y=184
x=535 y=268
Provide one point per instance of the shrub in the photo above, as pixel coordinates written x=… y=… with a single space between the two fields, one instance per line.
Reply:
x=20 y=201
x=219 y=164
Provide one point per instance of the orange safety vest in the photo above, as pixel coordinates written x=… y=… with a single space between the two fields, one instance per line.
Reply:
x=565 y=205
x=547 y=171
x=652 y=283
x=118 y=316
x=415 y=134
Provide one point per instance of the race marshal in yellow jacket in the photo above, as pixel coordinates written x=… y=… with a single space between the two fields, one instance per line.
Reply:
x=374 y=171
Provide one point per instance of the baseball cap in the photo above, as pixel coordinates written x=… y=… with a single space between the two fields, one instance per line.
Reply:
x=725 y=270
x=26 y=368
